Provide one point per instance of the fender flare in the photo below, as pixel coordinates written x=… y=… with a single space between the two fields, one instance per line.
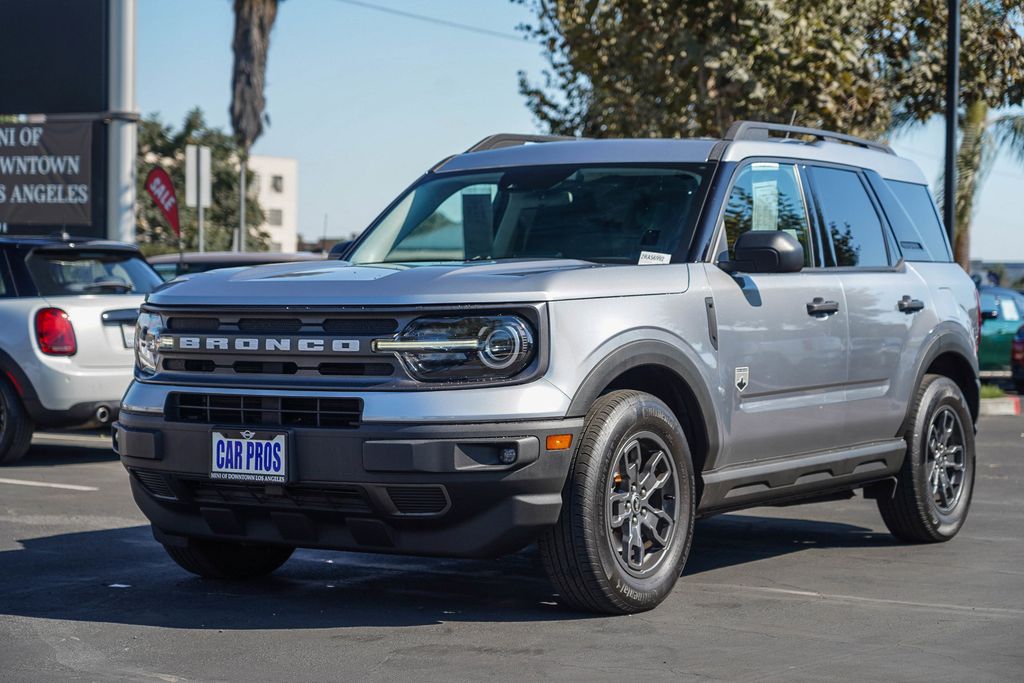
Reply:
x=947 y=338
x=651 y=352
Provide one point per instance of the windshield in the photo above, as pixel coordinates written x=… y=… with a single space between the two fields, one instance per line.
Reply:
x=593 y=213
x=58 y=273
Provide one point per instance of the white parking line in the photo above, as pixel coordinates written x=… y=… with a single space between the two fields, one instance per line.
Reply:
x=48 y=485
x=863 y=600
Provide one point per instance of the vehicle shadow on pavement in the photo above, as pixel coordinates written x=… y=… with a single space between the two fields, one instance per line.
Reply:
x=733 y=539
x=123 y=576
x=48 y=455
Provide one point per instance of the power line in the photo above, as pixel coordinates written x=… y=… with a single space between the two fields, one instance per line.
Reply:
x=436 y=20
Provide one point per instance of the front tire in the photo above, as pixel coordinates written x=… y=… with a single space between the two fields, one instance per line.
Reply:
x=227 y=560
x=935 y=485
x=626 y=524
x=15 y=426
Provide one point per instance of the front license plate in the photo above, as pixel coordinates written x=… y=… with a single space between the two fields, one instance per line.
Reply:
x=128 y=335
x=244 y=455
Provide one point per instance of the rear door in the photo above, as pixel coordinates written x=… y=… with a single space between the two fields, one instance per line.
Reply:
x=101 y=291
x=783 y=367
x=889 y=304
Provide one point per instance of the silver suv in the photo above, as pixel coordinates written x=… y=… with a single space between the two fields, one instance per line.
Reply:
x=67 y=329
x=588 y=344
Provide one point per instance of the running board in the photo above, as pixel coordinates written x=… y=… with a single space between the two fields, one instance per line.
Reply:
x=767 y=482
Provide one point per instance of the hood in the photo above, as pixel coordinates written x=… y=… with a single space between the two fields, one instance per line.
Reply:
x=340 y=283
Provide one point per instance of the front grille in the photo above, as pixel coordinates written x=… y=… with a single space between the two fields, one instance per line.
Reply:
x=418 y=500
x=264 y=411
x=336 y=498
x=353 y=364
x=155 y=483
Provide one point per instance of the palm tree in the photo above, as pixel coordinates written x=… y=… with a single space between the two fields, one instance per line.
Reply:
x=253 y=21
x=982 y=140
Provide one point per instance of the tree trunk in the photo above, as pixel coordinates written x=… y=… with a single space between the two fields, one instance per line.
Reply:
x=968 y=172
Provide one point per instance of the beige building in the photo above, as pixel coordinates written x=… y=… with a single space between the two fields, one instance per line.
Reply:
x=276 y=183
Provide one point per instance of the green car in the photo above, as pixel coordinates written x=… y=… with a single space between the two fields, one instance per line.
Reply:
x=1002 y=311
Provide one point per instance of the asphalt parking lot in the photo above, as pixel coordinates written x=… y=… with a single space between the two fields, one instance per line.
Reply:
x=799 y=593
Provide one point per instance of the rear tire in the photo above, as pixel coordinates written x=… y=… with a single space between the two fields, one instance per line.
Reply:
x=227 y=560
x=934 y=486
x=626 y=524
x=15 y=425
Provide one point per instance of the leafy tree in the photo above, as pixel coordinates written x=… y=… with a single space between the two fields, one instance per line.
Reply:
x=639 y=68
x=160 y=144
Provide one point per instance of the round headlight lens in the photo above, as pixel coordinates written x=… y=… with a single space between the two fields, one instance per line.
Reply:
x=501 y=347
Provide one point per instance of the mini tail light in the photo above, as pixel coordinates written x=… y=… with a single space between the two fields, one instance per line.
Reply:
x=54 y=332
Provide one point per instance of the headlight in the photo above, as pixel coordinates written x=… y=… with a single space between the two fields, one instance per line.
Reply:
x=463 y=349
x=147 y=335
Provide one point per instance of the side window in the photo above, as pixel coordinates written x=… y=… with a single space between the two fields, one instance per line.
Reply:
x=853 y=231
x=1008 y=310
x=767 y=196
x=917 y=203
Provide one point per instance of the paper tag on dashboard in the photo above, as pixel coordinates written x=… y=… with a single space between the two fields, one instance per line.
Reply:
x=653 y=258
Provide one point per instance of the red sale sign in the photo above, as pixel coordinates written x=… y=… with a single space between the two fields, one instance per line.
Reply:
x=161 y=189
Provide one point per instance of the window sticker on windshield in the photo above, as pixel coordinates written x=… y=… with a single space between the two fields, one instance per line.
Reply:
x=653 y=258
x=766 y=205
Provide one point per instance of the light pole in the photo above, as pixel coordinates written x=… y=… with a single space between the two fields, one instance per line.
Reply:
x=952 y=105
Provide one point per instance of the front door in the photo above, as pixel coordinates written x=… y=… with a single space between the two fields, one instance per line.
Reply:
x=782 y=336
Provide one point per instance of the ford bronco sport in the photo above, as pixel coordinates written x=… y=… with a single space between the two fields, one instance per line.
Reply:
x=584 y=343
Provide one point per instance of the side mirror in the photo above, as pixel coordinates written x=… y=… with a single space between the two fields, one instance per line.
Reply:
x=765 y=251
x=989 y=314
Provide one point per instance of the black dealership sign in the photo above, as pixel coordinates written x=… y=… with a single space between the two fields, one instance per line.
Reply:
x=55 y=65
x=45 y=173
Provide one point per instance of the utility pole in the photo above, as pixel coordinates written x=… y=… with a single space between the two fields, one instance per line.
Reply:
x=952 y=107
x=121 y=131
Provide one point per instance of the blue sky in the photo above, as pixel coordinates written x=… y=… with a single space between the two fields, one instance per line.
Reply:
x=366 y=101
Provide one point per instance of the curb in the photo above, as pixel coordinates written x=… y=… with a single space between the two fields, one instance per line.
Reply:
x=1008 y=405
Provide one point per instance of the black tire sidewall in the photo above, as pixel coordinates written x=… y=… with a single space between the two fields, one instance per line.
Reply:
x=14 y=440
x=940 y=393
x=637 y=414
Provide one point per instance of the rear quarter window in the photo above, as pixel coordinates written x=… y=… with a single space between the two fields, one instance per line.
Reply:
x=925 y=238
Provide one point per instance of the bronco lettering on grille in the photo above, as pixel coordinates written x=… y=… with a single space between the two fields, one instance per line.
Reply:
x=260 y=345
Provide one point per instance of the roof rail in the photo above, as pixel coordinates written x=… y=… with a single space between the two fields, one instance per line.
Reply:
x=758 y=130
x=513 y=139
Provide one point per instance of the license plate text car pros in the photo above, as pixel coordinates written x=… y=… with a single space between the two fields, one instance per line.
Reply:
x=249 y=456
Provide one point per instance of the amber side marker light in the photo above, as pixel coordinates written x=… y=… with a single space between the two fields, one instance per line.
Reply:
x=559 y=442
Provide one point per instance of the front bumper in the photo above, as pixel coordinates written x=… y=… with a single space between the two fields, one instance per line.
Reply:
x=428 y=489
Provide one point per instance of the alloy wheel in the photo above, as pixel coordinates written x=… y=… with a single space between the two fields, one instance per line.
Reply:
x=641 y=504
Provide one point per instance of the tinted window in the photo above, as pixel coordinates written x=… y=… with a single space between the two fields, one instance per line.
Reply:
x=594 y=213
x=853 y=232
x=766 y=196
x=70 y=272
x=917 y=203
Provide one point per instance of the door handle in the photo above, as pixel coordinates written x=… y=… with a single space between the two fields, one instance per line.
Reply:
x=908 y=305
x=821 y=307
